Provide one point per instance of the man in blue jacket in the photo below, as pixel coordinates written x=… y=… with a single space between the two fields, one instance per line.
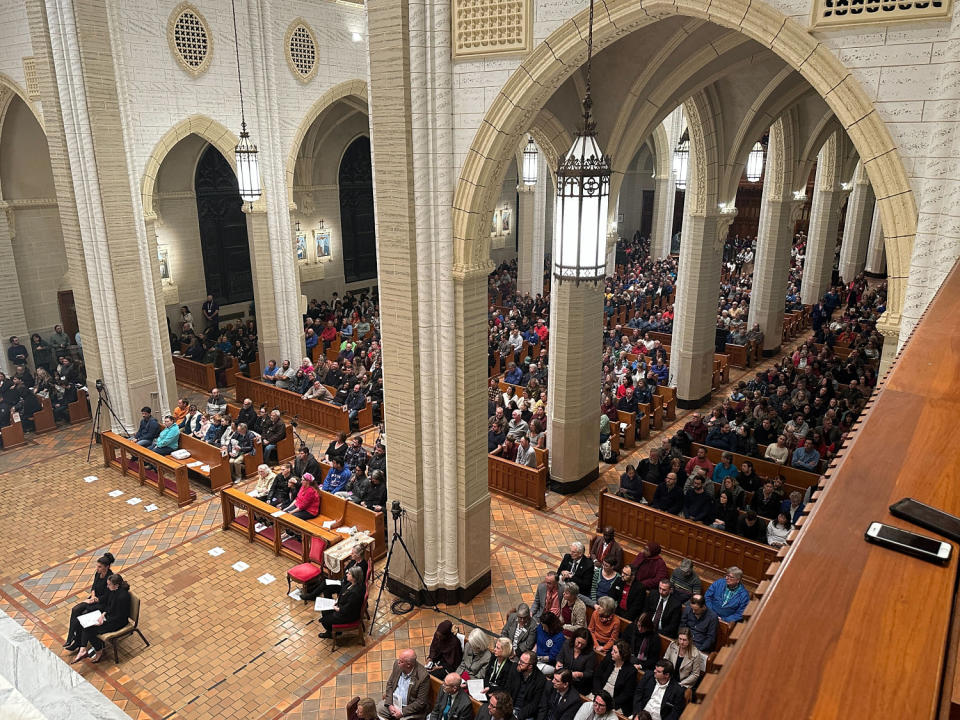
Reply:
x=337 y=478
x=149 y=428
x=727 y=597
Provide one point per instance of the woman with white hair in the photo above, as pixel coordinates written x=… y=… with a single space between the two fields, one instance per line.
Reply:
x=476 y=655
x=265 y=480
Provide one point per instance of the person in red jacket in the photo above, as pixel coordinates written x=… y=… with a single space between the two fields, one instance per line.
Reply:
x=648 y=567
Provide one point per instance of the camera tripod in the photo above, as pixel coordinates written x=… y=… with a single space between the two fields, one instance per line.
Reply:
x=102 y=402
x=397 y=513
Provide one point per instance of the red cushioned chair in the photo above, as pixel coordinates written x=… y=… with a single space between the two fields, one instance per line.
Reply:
x=337 y=630
x=305 y=572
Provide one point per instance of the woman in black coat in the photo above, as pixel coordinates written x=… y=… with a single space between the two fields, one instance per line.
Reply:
x=116 y=614
x=643 y=641
x=95 y=601
x=349 y=603
x=625 y=683
x=577 y=656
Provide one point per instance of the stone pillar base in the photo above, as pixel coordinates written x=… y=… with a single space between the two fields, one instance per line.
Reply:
x=691 y=404
x=437 y=596
x=567 y=488
x=876 y=276
x=771 y=352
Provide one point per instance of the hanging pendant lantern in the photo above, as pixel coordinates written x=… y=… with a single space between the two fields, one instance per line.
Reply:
x=248 y=166
x=530 y=157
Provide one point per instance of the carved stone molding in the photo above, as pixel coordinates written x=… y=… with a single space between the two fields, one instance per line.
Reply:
x=491 y=27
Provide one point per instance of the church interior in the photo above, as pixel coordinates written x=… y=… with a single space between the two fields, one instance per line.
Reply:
x=265 y=265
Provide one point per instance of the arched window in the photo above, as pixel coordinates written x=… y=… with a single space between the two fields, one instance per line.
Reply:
x=755 y=163
x=356 y=212
x=223 y=230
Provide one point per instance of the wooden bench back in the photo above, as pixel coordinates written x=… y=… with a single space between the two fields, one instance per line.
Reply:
x=796 y=478
x=210 y=455
x=194 y=374
x=524 y=484
x=170 y=476
x=365 y=519
x=704 y=545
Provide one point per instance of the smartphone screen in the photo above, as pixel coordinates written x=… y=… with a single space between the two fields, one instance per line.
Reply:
x=902 y=537
x=927 y=517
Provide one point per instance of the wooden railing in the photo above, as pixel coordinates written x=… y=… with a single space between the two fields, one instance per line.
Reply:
x=525 y=484
x=704 y=545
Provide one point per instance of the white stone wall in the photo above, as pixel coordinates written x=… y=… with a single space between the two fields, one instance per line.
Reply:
x=161 y=93
x=910 y=70
x=14 y=41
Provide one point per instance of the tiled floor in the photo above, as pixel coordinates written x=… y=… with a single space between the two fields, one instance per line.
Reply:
x=223 y=644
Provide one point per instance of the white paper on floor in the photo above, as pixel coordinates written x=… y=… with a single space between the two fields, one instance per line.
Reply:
x=216 y=551
x=266 y=578
x=115 y=493
x=134 y=501
x=150 y=508
x=295 y=594
x=240 y=566
x=90 y=478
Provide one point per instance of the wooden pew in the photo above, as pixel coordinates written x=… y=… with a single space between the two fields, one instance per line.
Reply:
x=194 y=374
x=740 y=355
x=364 y=519
x=629 y=433
x=519 y=482
x=669 y=398
x=323 y=415
x=12 y=435
x=43 y=420
x=219 y=474
x=801 y=479
x=706 y=546
x=243 y=513
x=79 y=408
x=169 y=478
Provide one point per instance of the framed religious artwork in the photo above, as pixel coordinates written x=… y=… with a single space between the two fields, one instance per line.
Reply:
x=505 y=221
x=164 y=258
x=301 y=246
x=495 y=223
x=322 y=240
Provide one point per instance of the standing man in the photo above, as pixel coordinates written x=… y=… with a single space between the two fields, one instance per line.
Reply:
x=211 y=311
x=407 y=689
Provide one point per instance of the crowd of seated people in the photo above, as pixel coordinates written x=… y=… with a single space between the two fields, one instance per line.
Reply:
x=642 y=653
x=56 y=376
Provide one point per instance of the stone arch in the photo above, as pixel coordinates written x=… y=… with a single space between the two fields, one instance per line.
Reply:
x=9 y=84
x=662 y=151
x=349 y=88
x=210 y=130
x=553 y=61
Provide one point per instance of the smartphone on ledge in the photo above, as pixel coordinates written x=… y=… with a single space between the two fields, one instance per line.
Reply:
x=904 y=541
x=927 y=517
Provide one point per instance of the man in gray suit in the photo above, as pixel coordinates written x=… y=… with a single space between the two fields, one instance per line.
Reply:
x=453 y=703
x=520 y=630
x=406 y=696
x=548 y=596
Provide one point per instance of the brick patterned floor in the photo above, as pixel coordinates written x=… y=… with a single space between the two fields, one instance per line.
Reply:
x=225 y=645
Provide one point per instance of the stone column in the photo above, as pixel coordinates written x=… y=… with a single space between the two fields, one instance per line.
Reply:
x=856 y=229
x=282 y=304
x=824 y=223
x=876 y=264
x=695 y=309
x=529 y=271
x=664 y=198
x=13 y=321
x=434 y=362
x=123 y=341
x=268 y=332
x=573 y=421
x=774 y=243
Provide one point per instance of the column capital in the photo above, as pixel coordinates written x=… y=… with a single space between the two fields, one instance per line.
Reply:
x=462 y=273
x=258 y=207
x=525 y=189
